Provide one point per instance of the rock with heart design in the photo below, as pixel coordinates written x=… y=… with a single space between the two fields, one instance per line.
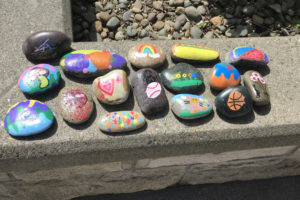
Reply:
x=148 y=91
x=247 y=57
x=39 y=79
x=234 y=101
x=112 y=88
x=193 y=53
x=46 y=45
x=257 y=88
x=224 y=75
x=91 y=63
x=188 y=106
x=75 y=104
x=146 y=55
x=121 y=121
x=182 y=78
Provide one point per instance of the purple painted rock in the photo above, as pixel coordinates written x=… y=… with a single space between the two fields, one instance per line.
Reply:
x=46 y=45
x=148 y=91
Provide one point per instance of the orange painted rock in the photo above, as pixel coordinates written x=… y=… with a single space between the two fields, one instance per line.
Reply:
x=224 y=75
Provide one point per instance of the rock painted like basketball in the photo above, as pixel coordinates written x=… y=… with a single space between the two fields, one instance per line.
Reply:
x=153 y=90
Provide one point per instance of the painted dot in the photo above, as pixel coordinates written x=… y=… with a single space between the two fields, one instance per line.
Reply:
x=126 y=126
x=184 y=75
x=131 y=117
x=109 y=130
x=102 y=96
x=124 y=113
x=125 y=117
x=85 y=70
x=140 y=119
x=122 y=125
x=109 y=66
x=101 y=124
x=112 y=126
x=135 y=121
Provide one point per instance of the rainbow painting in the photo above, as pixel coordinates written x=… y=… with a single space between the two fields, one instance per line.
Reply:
x=147 y=48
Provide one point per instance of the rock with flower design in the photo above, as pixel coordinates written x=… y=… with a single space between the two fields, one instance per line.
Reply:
x=224 y=75
x=257 y=87
x=188 y=106
x=121 y=121
x=247 y=56
x=112 y=88
x=91 y=63
x=39 y=79
x=182 y=78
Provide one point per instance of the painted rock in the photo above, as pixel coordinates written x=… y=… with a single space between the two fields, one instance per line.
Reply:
x=46 y=45
x=182 y=78
x=28 y=117
x=88 y=63
x=121 y=121
x=39 y=78
x=257 y=88
x=75 y=104
x=224 y=75
x=112 y=88
x=188 y=106
x=235 y=101
x=146 y=55
x=148 y=91
x=193 y=53
x=247 y=56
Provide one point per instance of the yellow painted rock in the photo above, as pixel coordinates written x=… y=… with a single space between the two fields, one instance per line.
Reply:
x=193 y=53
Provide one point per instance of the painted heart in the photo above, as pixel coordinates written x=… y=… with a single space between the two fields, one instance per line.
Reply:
x=107 y=86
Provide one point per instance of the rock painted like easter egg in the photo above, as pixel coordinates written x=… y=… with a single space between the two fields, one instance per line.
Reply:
x=112 y=88
x=148 y=91
x=234 y=101
x=194 y=53
x=39 y=79
x=91 y=63
x=257 y=88
x=224 y=75
x=27 y=118
x=182 y=78
x=188 y=106
x=146 y=55
x=121 y=121
x=46 y=45
x=247 y=57
x=75 y=104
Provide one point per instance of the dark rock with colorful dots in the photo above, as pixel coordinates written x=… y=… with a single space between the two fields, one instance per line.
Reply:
x=247 y=57
x=121 y=121
x=91 y=63
x=148 y=91
x=29 y=117
x=182 y=78
x=39 y=79
x=46 y=45
x=234 y=101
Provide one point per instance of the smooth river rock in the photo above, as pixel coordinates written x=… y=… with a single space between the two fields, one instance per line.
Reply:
x=247 y=56
x=224 y=75
x=194 y=53
x=234 y=101
x=39 y=79
x=75 y=104
x=148 y=91
x=188 y=106
x=257 y=88
x=121 y=121
x=182 y=78
x=46 y=45
x=146 y=56
x=112 y=88
x=28 y=117
x=91 y=63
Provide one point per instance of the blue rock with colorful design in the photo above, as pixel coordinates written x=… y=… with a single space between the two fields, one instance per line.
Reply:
x=27 y=118
x=247 y=56
x=39 y=79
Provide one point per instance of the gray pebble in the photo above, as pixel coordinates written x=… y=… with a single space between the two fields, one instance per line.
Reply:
x=196 y=33
x=144 y=33
x=119 y=35
x=269 y=20
x=113 y=23
x=257 y=20
x=180 y=20
x=131 y=31
x=248 y=10
x=201 y=10
x=162 y=32
x=187 y=3
x=127 y=15
x=276 y=7
x=209 y=35
x=151 y=17
x=192 y=13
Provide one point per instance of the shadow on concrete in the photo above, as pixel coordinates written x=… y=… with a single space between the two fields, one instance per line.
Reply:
x=214 y=91
x=262 y=110
x=246 y=119
x=263 y=69
x=86 y=81
x=125 y=106
x=196 y=122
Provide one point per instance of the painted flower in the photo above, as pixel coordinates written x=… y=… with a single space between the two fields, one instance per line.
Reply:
x=257 y=77
x=194 y=75
x=178 y=76
x=184 y=75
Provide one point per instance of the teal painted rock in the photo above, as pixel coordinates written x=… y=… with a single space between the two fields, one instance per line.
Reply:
x=121 y=121
x=39 y=79
x=188 y=106
x=28 y=117
x=182 y=78
x=91 y=63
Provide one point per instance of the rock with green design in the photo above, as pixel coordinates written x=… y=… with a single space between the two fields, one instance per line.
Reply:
x=121 y=121
x=182 y=78
x=39 y=79
x=29 y=117
x=189 y=106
